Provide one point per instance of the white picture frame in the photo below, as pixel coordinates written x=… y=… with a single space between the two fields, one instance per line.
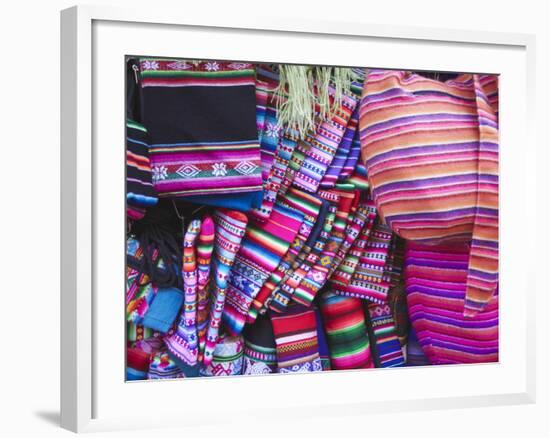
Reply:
x=94 y=396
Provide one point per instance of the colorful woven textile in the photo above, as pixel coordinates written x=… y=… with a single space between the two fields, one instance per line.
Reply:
x=162 y=366
x=140 y=292
x=150 y=345
x=164 y=309
x=436 y=278
x=365 y=217
x=324 y=353
x=296 y=339
x=348 y=199
x=136 y=332
x=353 y=157
x=137 y=364
x=283 y=154
x=266 y=117
x=397 y=296
x=359 y=177
x=183 y=343
x=324 y=144
x=228 y=358
x=346 y=330
x=230 y=229
x=371 y=278
x=415 y=355
x=260 y=355
x=385 y=344
x=317 y=276
x=310 y=205
x=261 y=251
x=356 y=222
x=201 y=120
x=431 y=153
x=205 y=247
x=139 y=185
x=336 y=168
x=306 y=259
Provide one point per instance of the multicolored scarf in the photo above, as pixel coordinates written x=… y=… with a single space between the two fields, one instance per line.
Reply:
x=316 y=277
x=183 y=343
x=371 y=279
x=205 y=158
x=322 y=146
x=291 y=285
x=230 y=229
x=431 y=153
x=261 y=251
x=365 y=217
x=336 y=168
x=283 y=155
x=310 y=205
x=205 y=247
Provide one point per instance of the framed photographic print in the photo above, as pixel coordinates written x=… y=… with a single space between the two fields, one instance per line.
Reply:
x=325 y=212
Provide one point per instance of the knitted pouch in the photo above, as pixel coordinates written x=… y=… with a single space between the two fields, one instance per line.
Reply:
x=431 y=153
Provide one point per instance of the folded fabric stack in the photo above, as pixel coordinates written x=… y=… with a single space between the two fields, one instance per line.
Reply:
x=367 y=241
